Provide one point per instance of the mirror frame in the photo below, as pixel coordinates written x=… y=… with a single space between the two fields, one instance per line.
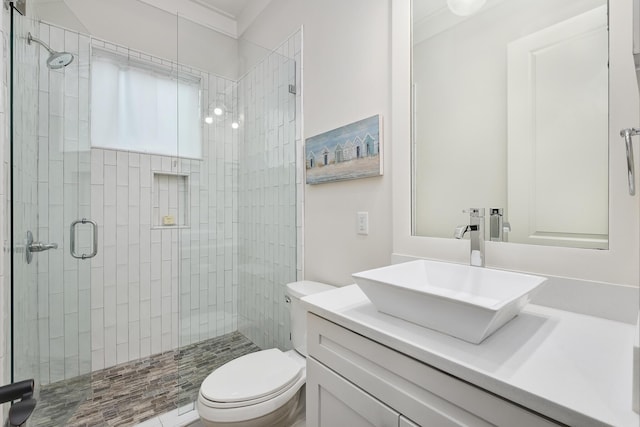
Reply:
x=619 y=264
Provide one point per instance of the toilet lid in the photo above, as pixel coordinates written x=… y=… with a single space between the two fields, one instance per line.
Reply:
x=252 y=376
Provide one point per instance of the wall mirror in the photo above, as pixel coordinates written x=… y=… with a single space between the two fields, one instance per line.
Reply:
x=511 y=110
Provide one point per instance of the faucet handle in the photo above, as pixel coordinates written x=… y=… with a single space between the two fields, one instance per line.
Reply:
x=475 y=212
x=460 y=231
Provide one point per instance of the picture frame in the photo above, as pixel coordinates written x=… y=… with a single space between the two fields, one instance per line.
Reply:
x=352 y=151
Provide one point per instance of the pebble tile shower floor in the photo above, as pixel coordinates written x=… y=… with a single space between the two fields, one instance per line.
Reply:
x=127 y=394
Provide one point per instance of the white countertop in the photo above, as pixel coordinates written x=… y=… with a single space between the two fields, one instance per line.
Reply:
x=573 y=368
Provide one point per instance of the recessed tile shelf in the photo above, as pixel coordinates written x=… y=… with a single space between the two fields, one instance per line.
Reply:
x=170 y=200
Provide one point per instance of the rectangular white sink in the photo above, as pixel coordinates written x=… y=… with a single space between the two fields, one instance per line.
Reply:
x=466 y=302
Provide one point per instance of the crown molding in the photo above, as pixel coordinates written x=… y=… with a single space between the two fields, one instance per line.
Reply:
x=198 y=13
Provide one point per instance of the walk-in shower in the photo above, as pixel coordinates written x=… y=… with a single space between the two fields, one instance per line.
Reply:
x=195 y=243
x=56 y=59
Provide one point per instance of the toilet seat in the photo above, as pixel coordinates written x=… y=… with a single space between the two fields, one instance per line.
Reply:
x=250 y=379
x=280 y=397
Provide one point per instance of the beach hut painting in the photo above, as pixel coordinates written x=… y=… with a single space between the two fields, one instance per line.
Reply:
x=348 y=152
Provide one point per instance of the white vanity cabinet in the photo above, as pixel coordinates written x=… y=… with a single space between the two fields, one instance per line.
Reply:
x=354 y=381
x=339 y=402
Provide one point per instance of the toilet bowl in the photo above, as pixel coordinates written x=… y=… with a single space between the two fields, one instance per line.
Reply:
x=265 y=388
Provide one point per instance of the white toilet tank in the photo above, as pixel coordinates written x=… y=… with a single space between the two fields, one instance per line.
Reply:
x=297 y=312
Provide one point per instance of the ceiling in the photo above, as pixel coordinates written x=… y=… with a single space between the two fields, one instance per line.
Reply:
x=230 y=17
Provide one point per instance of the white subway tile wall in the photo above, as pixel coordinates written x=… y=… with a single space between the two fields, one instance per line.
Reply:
x=25 y=208
x=144 y=273
x=200 y=294
x=223 y=265
x=64 y=195
x=156 y=287
x=270 y=194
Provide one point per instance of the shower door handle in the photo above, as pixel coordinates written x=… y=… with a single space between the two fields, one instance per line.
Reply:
x=627 y=134
x=94 y=227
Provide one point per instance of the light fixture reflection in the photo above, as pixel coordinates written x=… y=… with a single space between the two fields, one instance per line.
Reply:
x=208 y=120
x=465 y=7
x=217 y=111
x=235 y=125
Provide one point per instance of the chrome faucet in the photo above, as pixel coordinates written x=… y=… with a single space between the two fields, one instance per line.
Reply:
x=498 y=227
x=476 y=234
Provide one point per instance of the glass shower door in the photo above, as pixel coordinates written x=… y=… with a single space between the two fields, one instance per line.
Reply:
x=51 y=197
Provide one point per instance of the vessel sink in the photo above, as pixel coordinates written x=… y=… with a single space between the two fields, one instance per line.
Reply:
x=466 y=302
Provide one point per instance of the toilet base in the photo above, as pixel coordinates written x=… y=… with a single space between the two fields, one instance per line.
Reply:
x=287 y=415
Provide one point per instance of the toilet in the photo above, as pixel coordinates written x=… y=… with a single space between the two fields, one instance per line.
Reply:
x=265 y=388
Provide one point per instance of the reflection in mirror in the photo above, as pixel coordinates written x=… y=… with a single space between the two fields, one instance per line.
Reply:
x=510 y=111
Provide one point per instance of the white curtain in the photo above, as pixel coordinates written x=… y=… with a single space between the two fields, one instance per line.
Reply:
x=139 y=108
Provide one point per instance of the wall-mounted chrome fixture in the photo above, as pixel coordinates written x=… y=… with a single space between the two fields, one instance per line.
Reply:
x=56 y=60
x=31 y=247
x=476 y=234
x=498 y=227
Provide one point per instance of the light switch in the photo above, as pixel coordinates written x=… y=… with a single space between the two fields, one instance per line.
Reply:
x=363 y=223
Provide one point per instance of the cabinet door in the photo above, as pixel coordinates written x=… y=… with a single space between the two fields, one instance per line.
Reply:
x=425 y=395
x=333 y=401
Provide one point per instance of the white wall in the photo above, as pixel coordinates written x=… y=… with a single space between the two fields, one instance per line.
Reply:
x=148 y=29
x=347 y=63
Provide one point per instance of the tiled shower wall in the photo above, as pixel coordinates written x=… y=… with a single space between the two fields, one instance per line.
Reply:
x=156 y=287
x=152 y=287
x=25 y=203
x=63 y=162
x=270 y=233
x=144 y=274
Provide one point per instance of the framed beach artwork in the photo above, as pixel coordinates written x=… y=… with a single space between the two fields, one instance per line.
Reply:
x=348 y=152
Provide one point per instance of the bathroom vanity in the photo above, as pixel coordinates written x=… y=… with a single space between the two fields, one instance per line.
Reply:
x=545 y=367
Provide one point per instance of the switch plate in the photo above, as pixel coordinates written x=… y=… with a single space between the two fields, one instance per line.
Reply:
x=363 y=223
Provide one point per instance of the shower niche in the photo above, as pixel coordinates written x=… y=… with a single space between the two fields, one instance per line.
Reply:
x=170 y=204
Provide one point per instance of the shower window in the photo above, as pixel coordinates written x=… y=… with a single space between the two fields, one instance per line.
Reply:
x=134 y=106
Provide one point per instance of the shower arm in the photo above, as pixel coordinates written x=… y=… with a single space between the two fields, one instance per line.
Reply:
x=30 y=39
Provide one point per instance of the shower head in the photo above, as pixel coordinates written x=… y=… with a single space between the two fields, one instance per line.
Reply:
x=59 y=60
x=56 y=60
